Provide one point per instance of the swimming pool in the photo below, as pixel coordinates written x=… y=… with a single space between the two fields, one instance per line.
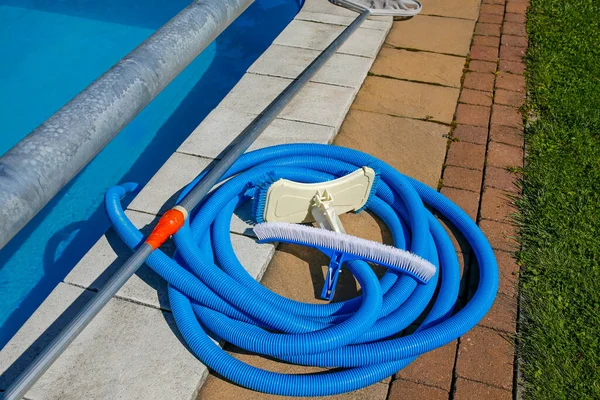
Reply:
x=51 y=51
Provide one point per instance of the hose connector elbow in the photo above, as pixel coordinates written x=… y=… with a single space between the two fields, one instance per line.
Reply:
x=168 y=225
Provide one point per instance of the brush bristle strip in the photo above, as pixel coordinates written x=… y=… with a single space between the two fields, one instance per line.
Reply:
x=365 y=249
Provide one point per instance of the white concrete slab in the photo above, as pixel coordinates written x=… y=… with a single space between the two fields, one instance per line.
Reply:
x=243 y=220
x=146 y=287
x=108 y=255
x=326 y=7
x=317 y=36
x=382 y=25
x=289 y=62
x=254 y=257
x=161 y=192
x=215 y=134
x=38 y=330
x=128 y=351
x=315 y=103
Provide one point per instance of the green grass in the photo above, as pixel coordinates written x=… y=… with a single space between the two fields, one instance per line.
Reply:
x=560 y=232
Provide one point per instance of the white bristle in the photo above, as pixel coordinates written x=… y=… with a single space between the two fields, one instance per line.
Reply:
x=366 y=249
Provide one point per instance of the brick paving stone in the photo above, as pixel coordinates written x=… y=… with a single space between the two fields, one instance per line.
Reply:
x=476 y=97
x=503 y=314
x=484 y=53
x=433 y=368
x=467 y=155
x=490 y=18
x=516 y=41
x=486 y=356
x=463 y=178
x=516 y=8
x=501 y=178
x=472 y=115
x=513 y=67
x=514 y=28
x=496 y=204
x=513 y=82
x=479 y=81
x=470 y=390
x=405 y=390
x=519 y=18
x=472 y=134
x=495 y=9
x=507 y=116
x=468 y=201
x=526 y=2
x=494 y=1
x=509 y=98
x=487 y=29
x=506 y=134
x=509 y=273
x=482 y=66
x=490 y=41
x=501 y=236
x=512 y=53
x=504 y=156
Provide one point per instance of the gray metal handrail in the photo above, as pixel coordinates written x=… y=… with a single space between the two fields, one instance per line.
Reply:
x=40 y=165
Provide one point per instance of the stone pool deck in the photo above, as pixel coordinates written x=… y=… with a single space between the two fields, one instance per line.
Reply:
x=440 y=104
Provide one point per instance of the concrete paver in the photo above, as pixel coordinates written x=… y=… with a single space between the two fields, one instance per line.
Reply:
x=415 y=148
x=326 y=7
x=377 y=23
x=317 y=36
x=288 y=62
x=215 y=388
x=160 y=193
x=146 y=287
x=468 y=9
x=215 y=134
x=381 y=95
x=119 y=355
x=436 y=34
x=419 y=66
x=316 y=103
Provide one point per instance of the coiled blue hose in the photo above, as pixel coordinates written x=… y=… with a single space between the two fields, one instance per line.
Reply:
x=210 y=289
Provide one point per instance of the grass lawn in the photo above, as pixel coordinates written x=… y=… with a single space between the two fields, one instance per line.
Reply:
x=560 y=335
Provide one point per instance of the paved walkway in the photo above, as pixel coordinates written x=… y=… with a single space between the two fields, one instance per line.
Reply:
x=441 y=104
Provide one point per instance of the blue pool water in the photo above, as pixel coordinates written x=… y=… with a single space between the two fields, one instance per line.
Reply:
x=53 y=49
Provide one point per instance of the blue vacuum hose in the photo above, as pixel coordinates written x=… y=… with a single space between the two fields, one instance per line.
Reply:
x=210 y=291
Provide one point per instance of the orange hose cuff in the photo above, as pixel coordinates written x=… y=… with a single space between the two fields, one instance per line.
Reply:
x=168 y=225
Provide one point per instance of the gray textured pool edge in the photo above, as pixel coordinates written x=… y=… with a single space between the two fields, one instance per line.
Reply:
x=40 y=165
